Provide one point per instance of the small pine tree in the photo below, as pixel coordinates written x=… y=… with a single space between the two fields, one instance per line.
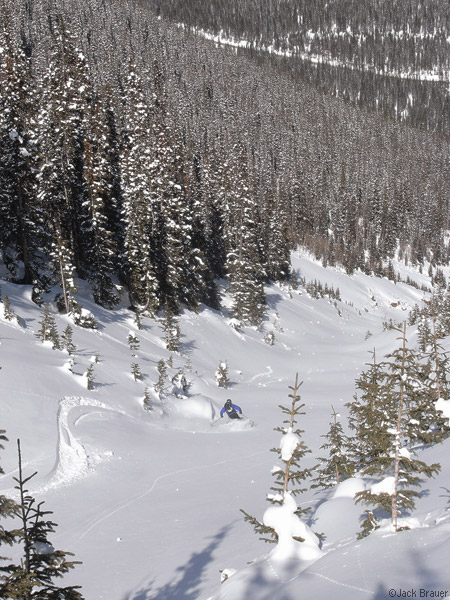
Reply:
x=147 y=400
x=67 y=341
x=33 y=578
x=133 y=342
x=136 y=371
x=366 y=418
x=269 y=338
x=8 y=510
x=48 y=330
x=337 y=465
x=8 y=312
x=222 y=375
x=291 y=451
x=90 y=382
x=171 y=330
x=160 y=385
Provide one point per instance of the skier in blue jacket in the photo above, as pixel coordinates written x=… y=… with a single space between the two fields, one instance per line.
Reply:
x=231 y=410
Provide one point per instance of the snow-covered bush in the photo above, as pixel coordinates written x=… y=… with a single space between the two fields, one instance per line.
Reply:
x=222 y=375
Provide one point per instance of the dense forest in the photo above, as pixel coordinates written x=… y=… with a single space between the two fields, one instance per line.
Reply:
x=140 y=157
x=388 y=55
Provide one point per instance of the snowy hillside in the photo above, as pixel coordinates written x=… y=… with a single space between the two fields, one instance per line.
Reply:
x=149 y=500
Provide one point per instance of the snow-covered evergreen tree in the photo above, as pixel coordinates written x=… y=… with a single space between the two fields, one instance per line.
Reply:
x=90 y=377
x=160 y=385
x=133 y=342
x=61 y=134
x=180 y=262
x=395 y=465
x=67 y=340
x=48 y=330
x=171 y=330
x=221 y=375
x=290 y=474
x=99 y=246
x=242 y=229
x=147 y=399
x=8 y=312
x=136 y=371
x=19 y=236
x=138 y=215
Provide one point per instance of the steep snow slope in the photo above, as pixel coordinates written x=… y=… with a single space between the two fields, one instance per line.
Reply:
x=149 y=500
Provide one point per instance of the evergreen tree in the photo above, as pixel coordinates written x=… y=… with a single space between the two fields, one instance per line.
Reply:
x=133 y=342
x=138 y=213
x=147 y=400
x=8 y=510
x=62 y=260
x=367 y=418
x=67 y=341
x=337 y=466
x=99 y=247
x=19 y=237
x=90 y=381
x=244 y=267
x=399 y=395
x=34 y=578
x=8 y=312
x=291 y=474
x=181 y=265
x=269 y=338
x=222 y=375
x=61 y=134
x=136 y=371
x=171 y=330
x=48 y=330
x=160 y=385
x=207 y=230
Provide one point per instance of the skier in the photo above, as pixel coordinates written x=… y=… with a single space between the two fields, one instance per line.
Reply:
x=231 y=410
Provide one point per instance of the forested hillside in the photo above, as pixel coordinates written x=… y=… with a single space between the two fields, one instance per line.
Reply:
x=142 y=158
x=392 y=56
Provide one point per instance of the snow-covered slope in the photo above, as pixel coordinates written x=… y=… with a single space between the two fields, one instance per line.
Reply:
x=149 y=500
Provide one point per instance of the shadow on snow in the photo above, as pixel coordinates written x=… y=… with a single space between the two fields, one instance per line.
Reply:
x=186 y=579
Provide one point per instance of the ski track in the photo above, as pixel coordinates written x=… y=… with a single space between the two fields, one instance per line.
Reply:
x=329 y=579
x=155 y=483
x=339 y=583
x=72 y=460
x=258 y=375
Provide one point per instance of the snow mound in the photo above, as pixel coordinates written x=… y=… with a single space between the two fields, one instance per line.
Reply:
x=196 y=407
x=349 y=488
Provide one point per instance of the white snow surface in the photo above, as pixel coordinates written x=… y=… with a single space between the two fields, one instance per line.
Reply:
x=149 y=500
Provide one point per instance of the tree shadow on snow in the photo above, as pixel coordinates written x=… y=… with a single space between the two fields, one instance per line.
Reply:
x=187 y=578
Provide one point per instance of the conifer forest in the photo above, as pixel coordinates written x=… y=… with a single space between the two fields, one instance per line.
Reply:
x=138 y=155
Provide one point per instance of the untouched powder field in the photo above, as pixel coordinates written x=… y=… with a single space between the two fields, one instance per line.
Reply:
x=149 y=500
